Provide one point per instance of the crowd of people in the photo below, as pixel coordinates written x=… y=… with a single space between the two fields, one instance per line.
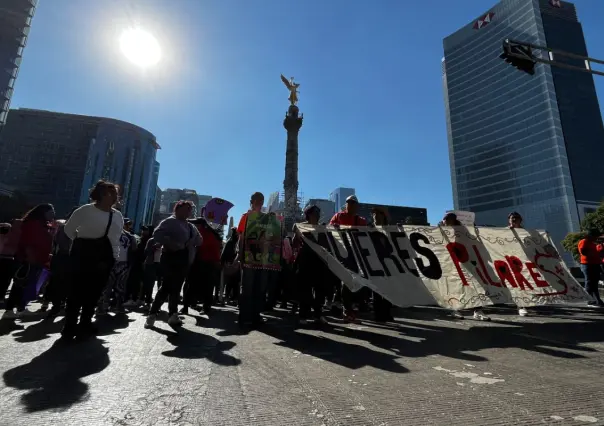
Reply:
x=90 y=263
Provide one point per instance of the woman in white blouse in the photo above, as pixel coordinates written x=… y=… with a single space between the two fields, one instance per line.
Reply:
x=95 y=229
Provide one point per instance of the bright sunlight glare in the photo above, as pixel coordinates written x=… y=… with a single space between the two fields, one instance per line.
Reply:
x=140 y=47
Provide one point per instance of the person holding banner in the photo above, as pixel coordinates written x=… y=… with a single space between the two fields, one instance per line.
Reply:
x=515 y=222
x=311 y=273
x=348 y=217
x=591 y=258
x=382 y=308
x=450 y=219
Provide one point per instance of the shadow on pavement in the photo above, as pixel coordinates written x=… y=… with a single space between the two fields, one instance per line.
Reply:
x=53 y=379
x=421 y=339
x=192 y=345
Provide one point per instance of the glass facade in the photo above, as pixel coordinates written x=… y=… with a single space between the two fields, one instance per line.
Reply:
x=516 y=141
x=124 y=154
x=15 y=21
x=339 y=196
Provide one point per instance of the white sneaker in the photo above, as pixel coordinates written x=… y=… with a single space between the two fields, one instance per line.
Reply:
x=523 y=312
x=150 y=322
x=478 y=315
x=174 y=321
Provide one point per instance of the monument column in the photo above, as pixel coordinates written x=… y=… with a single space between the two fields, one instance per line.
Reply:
x=292 y=123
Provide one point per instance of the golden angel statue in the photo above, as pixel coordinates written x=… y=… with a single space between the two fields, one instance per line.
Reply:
x=293 y=89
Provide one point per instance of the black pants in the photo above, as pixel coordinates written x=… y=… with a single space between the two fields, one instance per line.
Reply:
x=150 y=275
x=232 y=284
x=382 y=308
x=200 y=285
x=136 y=277
x=311 y=295
x=90 y=263
x=56 y=290
x=174 y=267
x=7 y=272
x=252 y=298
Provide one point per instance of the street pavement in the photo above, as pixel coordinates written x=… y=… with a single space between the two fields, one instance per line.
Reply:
x=424 y=369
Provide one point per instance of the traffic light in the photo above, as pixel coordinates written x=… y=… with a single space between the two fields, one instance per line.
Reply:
x=519 y=56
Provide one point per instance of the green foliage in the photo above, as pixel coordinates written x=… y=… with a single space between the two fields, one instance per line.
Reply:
x=593 y=220
x=570 y=243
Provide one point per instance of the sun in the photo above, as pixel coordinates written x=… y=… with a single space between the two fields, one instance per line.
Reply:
x=140 y=47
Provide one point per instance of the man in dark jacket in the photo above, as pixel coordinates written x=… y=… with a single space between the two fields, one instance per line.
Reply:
x=311 y=275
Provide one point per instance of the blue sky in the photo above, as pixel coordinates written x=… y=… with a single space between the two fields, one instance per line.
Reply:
x=370 y=75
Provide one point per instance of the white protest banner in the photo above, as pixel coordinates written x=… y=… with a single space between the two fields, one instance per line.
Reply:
x=456 y=267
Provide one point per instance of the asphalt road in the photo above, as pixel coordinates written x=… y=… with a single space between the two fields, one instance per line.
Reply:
x=423 y=369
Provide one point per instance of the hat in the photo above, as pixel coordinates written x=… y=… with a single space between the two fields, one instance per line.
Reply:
x=352 y=199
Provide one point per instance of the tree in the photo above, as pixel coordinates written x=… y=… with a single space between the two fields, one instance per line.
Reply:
x=594 y=220
x=570 y=243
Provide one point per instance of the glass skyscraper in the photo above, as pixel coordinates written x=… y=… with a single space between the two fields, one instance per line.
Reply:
x=517 y=142
x=50 y=157
x=339 y=196
x=15 y=21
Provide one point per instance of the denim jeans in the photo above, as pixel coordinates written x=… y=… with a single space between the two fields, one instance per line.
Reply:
x=592 y=278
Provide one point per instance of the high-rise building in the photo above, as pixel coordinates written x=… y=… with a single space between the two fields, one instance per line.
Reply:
x=202 y=200
x=521 y=142
x=339 y=195
x=273 y=202
x=328 y=208
x=56 y=158
x=15 y=21
x=153 y=199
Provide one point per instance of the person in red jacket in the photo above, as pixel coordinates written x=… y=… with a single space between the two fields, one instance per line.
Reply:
x=32 y=254
x=204 y=274
x=591 y=257
x=348 y=217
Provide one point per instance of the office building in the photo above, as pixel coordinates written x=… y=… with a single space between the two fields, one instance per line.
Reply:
x=15 y=22
x=202 y=200
x=521 y=142
x=153 y=201
x=56 y=158
x=396 y=214
x=273 y=204
x=170 y=196
x=339 y=195
x=328 y=208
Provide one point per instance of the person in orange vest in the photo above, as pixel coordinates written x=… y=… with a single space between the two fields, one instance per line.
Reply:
x=590 y=258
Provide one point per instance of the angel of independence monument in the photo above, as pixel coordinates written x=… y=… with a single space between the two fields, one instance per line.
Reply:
x=292 y=123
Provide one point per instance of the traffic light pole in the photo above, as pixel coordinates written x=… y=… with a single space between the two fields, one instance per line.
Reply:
x=550 y=56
